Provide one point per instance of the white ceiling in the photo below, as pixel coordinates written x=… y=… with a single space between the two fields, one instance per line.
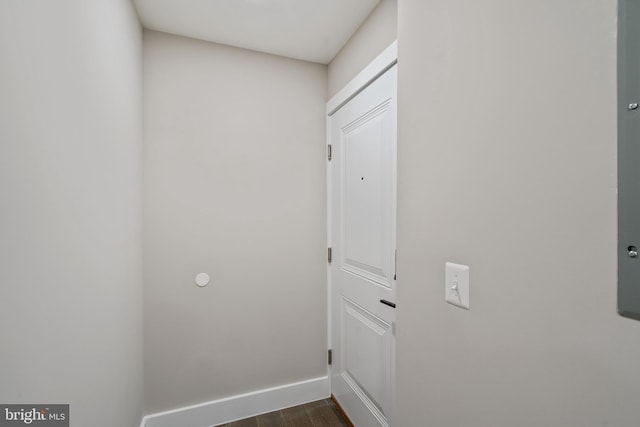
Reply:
x=311 y=30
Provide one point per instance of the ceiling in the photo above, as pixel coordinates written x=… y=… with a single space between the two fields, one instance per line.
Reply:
x=311 y=30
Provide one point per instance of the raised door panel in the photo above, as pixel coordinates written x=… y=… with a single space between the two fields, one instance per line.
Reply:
x=366 y=196
x=366 y=352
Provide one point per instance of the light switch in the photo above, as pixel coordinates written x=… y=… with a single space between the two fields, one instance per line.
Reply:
x=456 y=289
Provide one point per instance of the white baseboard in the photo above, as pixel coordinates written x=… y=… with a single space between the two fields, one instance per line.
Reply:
x=242 y=406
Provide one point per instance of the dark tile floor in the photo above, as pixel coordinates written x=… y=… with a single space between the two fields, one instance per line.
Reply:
x=322 y=413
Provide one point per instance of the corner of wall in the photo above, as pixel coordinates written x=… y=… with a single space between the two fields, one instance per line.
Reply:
x=377 y=32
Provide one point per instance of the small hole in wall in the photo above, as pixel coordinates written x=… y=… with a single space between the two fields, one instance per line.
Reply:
x=362 y=179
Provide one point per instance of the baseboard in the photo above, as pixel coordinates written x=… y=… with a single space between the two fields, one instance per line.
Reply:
x=247 y=405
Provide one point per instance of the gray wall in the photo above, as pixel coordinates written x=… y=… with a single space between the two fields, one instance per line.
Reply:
x=70 y=180
x=377 y=32
x=234 y=187
x=507 y=163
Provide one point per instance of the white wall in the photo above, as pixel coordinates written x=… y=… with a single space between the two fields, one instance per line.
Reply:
x=507 y=163
x=70 y=179
x=378 y=31
x=235 y=187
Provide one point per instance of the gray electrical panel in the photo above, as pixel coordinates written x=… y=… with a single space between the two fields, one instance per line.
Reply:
x=629 y=158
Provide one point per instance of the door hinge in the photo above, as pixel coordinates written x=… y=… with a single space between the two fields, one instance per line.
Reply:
x=330 y=356
x=329 y=255
x=329 y=152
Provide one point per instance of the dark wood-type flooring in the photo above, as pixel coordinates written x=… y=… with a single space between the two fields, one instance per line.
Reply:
x=322 y=413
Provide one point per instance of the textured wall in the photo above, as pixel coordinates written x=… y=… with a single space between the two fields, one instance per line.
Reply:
x=507 y=163
x=70 y=235
x=235 y=187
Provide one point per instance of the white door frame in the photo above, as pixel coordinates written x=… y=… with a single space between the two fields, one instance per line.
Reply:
x=387 y=59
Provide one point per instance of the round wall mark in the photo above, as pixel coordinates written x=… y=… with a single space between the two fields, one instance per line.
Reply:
x=202 y=279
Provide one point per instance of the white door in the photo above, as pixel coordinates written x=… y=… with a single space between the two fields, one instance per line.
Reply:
x=363 y=239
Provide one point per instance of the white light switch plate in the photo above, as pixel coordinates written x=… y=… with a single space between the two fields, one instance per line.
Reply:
x=456 y=286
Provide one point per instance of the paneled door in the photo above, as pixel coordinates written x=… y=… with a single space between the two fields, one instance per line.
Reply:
x=362 y=234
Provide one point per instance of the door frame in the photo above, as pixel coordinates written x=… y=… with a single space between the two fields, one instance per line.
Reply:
x=383 y=62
